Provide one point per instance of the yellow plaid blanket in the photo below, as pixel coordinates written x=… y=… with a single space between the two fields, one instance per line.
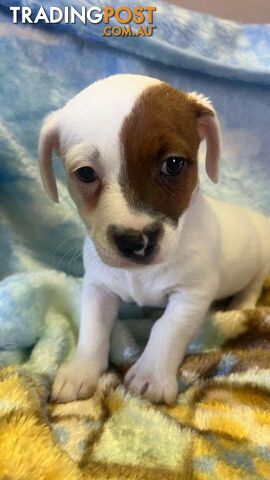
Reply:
x=219 y=429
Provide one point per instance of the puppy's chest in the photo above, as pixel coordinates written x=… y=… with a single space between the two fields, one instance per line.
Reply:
x=144 y=290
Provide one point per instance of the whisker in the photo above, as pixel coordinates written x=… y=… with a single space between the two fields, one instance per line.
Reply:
x=73 y=238
x=63 y=256
x=70 y=238
x=73 y=259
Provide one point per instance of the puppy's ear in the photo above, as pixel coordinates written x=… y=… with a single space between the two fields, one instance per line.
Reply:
x=209 y=130
x=49 y=143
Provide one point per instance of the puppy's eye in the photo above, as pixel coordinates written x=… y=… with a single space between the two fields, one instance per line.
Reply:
x=173 y=166
x=86 y=174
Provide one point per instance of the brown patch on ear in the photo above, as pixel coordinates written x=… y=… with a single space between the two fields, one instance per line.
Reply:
x=202 y=105
x=163 y=122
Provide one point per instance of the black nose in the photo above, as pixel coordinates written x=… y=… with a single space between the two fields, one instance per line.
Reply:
x=135 y=244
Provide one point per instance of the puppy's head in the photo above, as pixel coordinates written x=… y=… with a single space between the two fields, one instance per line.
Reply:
x=129 y=145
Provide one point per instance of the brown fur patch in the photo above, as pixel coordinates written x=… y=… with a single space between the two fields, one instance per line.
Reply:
x=162 y=123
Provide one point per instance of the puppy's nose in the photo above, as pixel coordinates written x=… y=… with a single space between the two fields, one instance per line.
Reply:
x=132 y=243
x=135 y=244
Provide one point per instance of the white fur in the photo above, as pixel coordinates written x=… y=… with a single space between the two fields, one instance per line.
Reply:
x=216 y=251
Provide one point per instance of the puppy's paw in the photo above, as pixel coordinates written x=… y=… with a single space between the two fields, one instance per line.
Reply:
x=75 y=381
x=155 y=384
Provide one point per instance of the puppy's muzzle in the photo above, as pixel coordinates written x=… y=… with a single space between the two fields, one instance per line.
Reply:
x=139 y=246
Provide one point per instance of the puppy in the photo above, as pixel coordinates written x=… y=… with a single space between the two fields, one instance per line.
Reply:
x=129 y=145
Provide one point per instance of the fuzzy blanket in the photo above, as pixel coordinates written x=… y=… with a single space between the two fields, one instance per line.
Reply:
x=42 y=66
x=220 y=427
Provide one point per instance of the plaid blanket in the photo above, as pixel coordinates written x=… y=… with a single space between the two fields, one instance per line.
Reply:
x=219 y=428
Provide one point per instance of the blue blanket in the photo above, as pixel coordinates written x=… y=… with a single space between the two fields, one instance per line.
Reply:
x=42 y=66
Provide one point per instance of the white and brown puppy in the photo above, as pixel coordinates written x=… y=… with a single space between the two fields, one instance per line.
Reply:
x=130 y=144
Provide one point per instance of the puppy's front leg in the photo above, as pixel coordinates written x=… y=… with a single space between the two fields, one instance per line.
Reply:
x=154 y=375
x=78 y=379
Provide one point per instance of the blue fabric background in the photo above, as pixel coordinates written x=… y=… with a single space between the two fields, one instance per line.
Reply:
x=42 y=66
